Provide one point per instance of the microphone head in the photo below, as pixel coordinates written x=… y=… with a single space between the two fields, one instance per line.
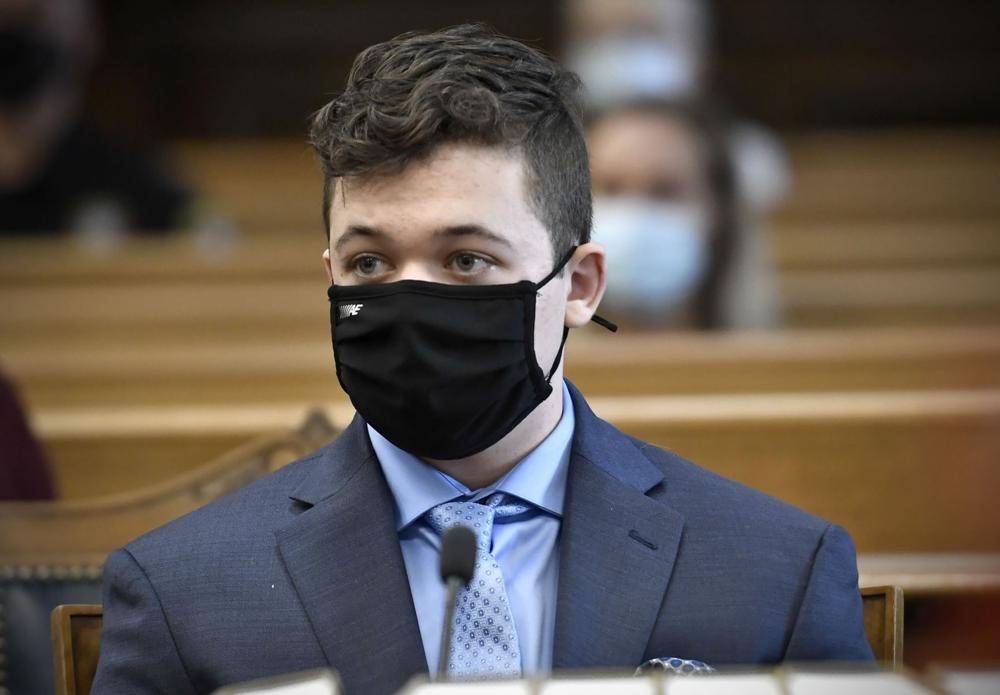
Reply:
x=458 y=553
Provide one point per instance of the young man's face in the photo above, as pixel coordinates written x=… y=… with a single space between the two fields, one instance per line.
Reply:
x=460 y=216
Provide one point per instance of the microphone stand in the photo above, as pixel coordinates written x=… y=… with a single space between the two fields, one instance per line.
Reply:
x=444 y=653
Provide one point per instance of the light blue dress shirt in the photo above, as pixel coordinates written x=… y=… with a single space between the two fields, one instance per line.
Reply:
x=526 y=547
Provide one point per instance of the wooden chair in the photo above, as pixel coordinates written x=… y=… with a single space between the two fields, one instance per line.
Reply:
x=76 y=646
x=883 y=616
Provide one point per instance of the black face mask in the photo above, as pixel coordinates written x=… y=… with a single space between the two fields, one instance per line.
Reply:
x=441 y=371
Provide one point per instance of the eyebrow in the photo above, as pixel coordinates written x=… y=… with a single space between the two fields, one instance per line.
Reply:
x=461 y=230
x=355 y=231
x=475 y=230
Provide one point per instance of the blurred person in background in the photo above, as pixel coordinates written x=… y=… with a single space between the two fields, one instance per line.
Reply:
x=57 y=171
x=632 y=51
x=24 y=470
x=665 y=212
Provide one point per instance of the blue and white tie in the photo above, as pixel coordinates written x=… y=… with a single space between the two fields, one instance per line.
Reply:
x=484 y=640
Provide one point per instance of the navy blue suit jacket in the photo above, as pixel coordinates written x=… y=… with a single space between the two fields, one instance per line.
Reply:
x=658 y=557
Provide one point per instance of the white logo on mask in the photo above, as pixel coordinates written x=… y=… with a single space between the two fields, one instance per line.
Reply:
x=345 y=310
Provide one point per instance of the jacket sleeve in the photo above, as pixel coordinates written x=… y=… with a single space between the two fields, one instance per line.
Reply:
x=830 y=625
x=138 y=652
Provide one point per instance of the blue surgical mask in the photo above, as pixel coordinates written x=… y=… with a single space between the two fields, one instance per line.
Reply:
x=656 y=256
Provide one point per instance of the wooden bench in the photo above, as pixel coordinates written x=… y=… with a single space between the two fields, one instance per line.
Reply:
x=892 y=297
x=902 y=174
x=96 y=452
x=182 y=370
x=898 y=174
x=886 y=244
x=892 y=228
x=903 y=472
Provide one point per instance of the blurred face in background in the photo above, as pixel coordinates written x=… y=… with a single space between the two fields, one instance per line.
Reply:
x=653 y=213
x=626 y=50
x=46 y=50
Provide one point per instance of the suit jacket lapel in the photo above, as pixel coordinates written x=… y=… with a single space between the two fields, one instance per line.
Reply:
x=344 y=559
x=617 y=549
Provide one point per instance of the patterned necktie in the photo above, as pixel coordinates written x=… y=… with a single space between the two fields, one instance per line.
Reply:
x=484 y=642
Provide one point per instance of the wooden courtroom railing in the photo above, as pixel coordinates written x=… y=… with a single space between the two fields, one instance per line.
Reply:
x=903 y=472
x=99 y=451
x=82 y=531
x=932 y=574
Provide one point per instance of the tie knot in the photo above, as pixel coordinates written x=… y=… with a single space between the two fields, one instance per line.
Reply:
x=477 y=516
x=504 y=505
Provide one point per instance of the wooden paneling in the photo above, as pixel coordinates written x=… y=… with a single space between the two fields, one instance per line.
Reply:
x=903 y=472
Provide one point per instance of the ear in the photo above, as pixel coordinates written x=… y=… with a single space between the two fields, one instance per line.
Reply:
x=327 y=264
x=586 y=284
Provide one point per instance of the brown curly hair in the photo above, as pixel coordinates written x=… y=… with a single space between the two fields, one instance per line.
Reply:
x=471 y=84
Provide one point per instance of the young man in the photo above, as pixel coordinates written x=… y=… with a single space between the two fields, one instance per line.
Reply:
x=457 y=201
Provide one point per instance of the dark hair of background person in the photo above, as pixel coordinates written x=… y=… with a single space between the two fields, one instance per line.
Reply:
x=706 y=121
x=468 y=83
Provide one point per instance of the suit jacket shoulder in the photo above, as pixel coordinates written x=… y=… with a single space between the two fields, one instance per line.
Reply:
x=244 y=516
x=709 y=499
x=743 y=577
x=281 y=576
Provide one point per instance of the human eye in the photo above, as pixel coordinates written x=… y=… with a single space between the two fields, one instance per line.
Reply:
x=367 y=266
x=468 y=263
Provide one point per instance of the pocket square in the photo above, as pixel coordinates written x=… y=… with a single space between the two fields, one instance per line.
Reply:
x=671 y=664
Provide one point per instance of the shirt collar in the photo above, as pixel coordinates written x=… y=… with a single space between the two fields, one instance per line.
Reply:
x=539 y=478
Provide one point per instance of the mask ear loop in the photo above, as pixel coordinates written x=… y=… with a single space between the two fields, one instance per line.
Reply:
x=558 y=269
x=599 y=320
x=555 y=363
x=604 y=323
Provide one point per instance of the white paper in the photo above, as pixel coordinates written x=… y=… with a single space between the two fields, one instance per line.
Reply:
x=971 y=682
x=628 y=685
x=479 y=688
x=310 y=683
x=876 y=683
x=314 y=688
x=719 y=684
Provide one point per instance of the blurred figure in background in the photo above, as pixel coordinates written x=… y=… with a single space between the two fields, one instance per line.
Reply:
x=24 y=471
x=628 y=49
x=634 y=51
x=665 y=212
x=57 y=172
